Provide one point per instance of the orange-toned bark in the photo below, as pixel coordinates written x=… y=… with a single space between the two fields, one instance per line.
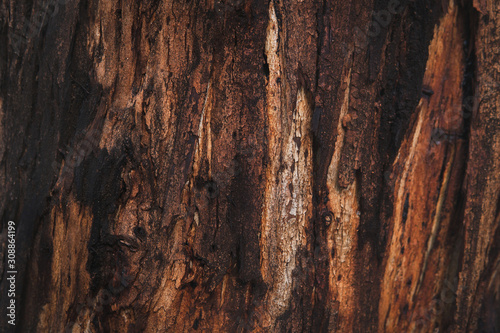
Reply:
x=266 y=166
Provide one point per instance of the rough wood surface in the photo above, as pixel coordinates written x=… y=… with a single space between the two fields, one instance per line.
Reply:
x=248 y=165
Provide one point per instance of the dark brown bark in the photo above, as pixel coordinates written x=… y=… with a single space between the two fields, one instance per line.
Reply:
x=247 y=165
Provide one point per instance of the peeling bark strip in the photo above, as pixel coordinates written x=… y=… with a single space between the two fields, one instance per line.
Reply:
x=248 y=165
x=426 y=190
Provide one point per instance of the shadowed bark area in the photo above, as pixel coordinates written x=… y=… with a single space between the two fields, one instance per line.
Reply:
x=248 y=165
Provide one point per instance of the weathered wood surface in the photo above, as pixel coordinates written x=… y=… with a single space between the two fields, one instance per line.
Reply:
x=266 y=166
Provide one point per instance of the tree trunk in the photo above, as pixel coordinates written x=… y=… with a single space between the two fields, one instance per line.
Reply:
x=248 y=165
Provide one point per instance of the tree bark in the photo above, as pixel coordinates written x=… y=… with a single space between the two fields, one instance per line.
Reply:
x=248 y=165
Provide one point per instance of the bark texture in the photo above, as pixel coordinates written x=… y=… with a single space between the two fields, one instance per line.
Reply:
x=248 y=165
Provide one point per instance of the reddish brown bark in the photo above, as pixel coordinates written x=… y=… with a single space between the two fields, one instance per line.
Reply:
x=266 y=166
